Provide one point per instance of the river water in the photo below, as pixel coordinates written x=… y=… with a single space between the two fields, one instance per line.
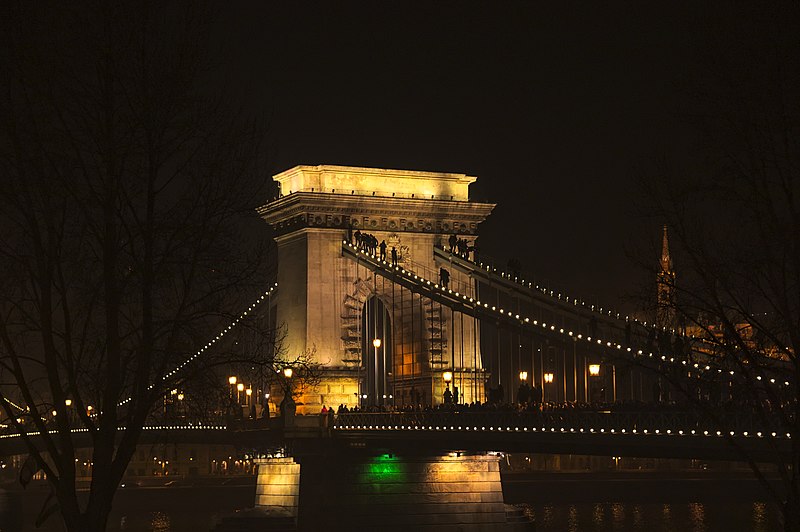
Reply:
x=654 y=517
x=562 y=506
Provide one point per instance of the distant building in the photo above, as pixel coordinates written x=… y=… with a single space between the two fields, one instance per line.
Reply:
x=665 y=284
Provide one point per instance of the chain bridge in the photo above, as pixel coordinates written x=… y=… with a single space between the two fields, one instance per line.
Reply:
x=380 y=279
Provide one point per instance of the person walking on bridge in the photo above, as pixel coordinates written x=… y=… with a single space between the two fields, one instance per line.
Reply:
x=394 y=256
x=448 y=396
x=383 y=251
x=444 y=277
x=453 y=240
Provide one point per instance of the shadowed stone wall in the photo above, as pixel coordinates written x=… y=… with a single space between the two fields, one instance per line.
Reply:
x=390 y=492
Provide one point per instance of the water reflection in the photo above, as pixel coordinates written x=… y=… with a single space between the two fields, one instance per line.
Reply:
x=618 y=514
x=572 y=525
x=160 y=522
x=656 y=517
x=637 y=516
x=760 y=517
x=697 y=516
x=597 y=515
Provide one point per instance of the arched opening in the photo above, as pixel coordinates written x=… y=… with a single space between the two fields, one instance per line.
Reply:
x=376 y=345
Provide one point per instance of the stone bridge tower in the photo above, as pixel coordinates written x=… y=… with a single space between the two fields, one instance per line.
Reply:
x=336 y=307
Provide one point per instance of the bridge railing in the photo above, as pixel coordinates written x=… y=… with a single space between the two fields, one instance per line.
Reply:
x=657 y=423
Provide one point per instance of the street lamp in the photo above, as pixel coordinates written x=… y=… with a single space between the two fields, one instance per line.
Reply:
x=548 y=379
x=377 y=343
x=232 y=380
x=68 y=402
x=594 y=372
x=287 y=372
x=447 y=376
x=523 y=375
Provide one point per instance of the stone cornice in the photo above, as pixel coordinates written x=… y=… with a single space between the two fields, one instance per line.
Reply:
x=303 y=202
x=340 y=211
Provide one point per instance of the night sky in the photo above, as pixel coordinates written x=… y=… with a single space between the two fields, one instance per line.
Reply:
x=558 y=109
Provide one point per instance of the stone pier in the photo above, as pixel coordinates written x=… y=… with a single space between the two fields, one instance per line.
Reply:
x=278 y=486
x=389 y=492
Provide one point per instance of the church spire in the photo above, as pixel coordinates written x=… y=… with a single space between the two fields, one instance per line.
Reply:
x=666 y=261
x=665 y=281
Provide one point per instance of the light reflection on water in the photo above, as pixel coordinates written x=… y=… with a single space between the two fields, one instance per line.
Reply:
x=760 y=517
x=573 y=519
x=583 y=517
x=697 y=515
x=160 y=522
x=656 y=517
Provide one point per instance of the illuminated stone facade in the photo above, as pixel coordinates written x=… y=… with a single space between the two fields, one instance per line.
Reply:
x=321 y=293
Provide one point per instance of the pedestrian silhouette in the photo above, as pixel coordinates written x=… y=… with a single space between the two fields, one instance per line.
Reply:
x=444 y=277
x=383 y=250
x=394 y=256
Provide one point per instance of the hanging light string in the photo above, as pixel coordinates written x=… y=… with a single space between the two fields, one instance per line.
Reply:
x=188 y=426
x=15 y=405
x=549 y=329
x=605 y=313
x=596 y=309
x=211 y=343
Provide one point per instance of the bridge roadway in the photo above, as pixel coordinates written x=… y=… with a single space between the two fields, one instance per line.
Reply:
x=211 y=433
x=653 y=434
x=605 y=433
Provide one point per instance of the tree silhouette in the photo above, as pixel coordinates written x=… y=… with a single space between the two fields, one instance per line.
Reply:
x=126 y=180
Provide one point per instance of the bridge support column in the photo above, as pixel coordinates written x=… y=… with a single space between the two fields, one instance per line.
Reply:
x=391 y=492
x=278 y=486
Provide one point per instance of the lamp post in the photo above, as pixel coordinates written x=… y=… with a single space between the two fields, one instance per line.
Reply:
x=288 y=406
x=523 y=376
x=594 y=373
x=447 y=376
x=376 y=343
x=548 y=379
x=232 y=382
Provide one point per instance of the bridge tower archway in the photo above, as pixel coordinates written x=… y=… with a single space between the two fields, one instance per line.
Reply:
x=377 y=343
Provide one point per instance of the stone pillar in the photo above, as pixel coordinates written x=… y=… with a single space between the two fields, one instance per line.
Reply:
x=278 y=486
x=390 y=492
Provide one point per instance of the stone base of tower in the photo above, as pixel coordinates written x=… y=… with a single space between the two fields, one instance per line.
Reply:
x=390 y=492
x=337 y=386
